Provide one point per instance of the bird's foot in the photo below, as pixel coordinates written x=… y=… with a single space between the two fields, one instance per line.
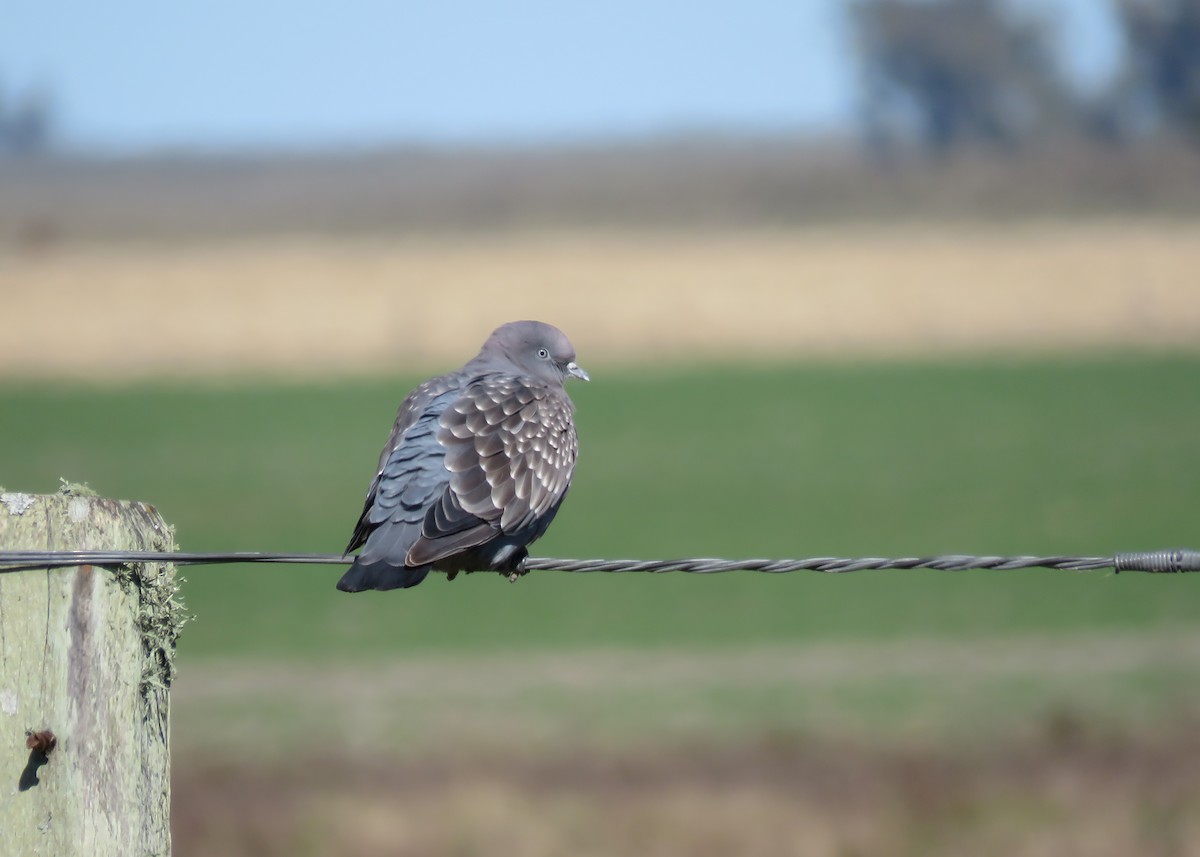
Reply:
x=518 y=569
x=510 y=561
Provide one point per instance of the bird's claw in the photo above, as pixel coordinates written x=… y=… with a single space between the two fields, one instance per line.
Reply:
x=518 y=571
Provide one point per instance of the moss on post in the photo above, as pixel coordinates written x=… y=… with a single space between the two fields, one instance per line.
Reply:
x=86 y=654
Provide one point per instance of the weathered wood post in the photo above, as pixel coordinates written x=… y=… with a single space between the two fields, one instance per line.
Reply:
x=85 y=654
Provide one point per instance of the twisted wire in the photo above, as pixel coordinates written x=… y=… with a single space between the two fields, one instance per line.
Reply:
x=1155 y=562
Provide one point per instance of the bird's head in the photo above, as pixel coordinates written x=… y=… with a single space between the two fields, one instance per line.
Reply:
x=537 y=349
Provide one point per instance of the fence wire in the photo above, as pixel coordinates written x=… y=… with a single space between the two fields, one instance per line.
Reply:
x=1155 y=562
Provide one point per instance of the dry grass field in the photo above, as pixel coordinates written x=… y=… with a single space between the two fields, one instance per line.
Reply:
x=1068 y=792
x=320 y=306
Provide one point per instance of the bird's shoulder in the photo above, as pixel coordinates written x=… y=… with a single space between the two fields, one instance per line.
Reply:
x=426 y=401
x=433 y=395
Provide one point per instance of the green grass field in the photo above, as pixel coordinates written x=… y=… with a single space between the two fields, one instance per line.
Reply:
x=1081 y=456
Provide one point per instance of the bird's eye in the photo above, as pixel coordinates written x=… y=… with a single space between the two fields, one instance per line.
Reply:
x=543 y=353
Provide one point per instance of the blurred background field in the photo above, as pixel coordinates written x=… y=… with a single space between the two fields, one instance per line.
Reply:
x=935 y=300
x=457 y=712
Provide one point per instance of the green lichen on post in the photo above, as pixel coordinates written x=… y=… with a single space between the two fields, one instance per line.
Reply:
x=161 y=617
x=161 y=614
x=75 y=489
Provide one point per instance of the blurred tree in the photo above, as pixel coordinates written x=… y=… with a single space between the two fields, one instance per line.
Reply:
x=954 y=71
x=25 y=123
x=1160 y=84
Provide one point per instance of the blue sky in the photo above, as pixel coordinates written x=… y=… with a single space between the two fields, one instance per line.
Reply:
x=132 y=75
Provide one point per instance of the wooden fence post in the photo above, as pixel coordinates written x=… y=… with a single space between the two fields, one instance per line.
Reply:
x=86 y=654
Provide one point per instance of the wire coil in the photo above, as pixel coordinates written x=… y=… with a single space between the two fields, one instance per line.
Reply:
x=1171 y=561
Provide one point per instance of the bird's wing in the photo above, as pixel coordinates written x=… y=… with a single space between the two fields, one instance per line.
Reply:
x=510 y=450
x=410 y=466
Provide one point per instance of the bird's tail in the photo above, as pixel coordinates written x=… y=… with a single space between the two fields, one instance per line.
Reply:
x=380 y=575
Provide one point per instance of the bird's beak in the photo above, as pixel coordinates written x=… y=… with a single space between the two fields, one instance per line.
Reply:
x=577 y=371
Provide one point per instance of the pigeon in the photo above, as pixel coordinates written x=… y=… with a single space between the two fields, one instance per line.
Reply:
x=477 y=464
